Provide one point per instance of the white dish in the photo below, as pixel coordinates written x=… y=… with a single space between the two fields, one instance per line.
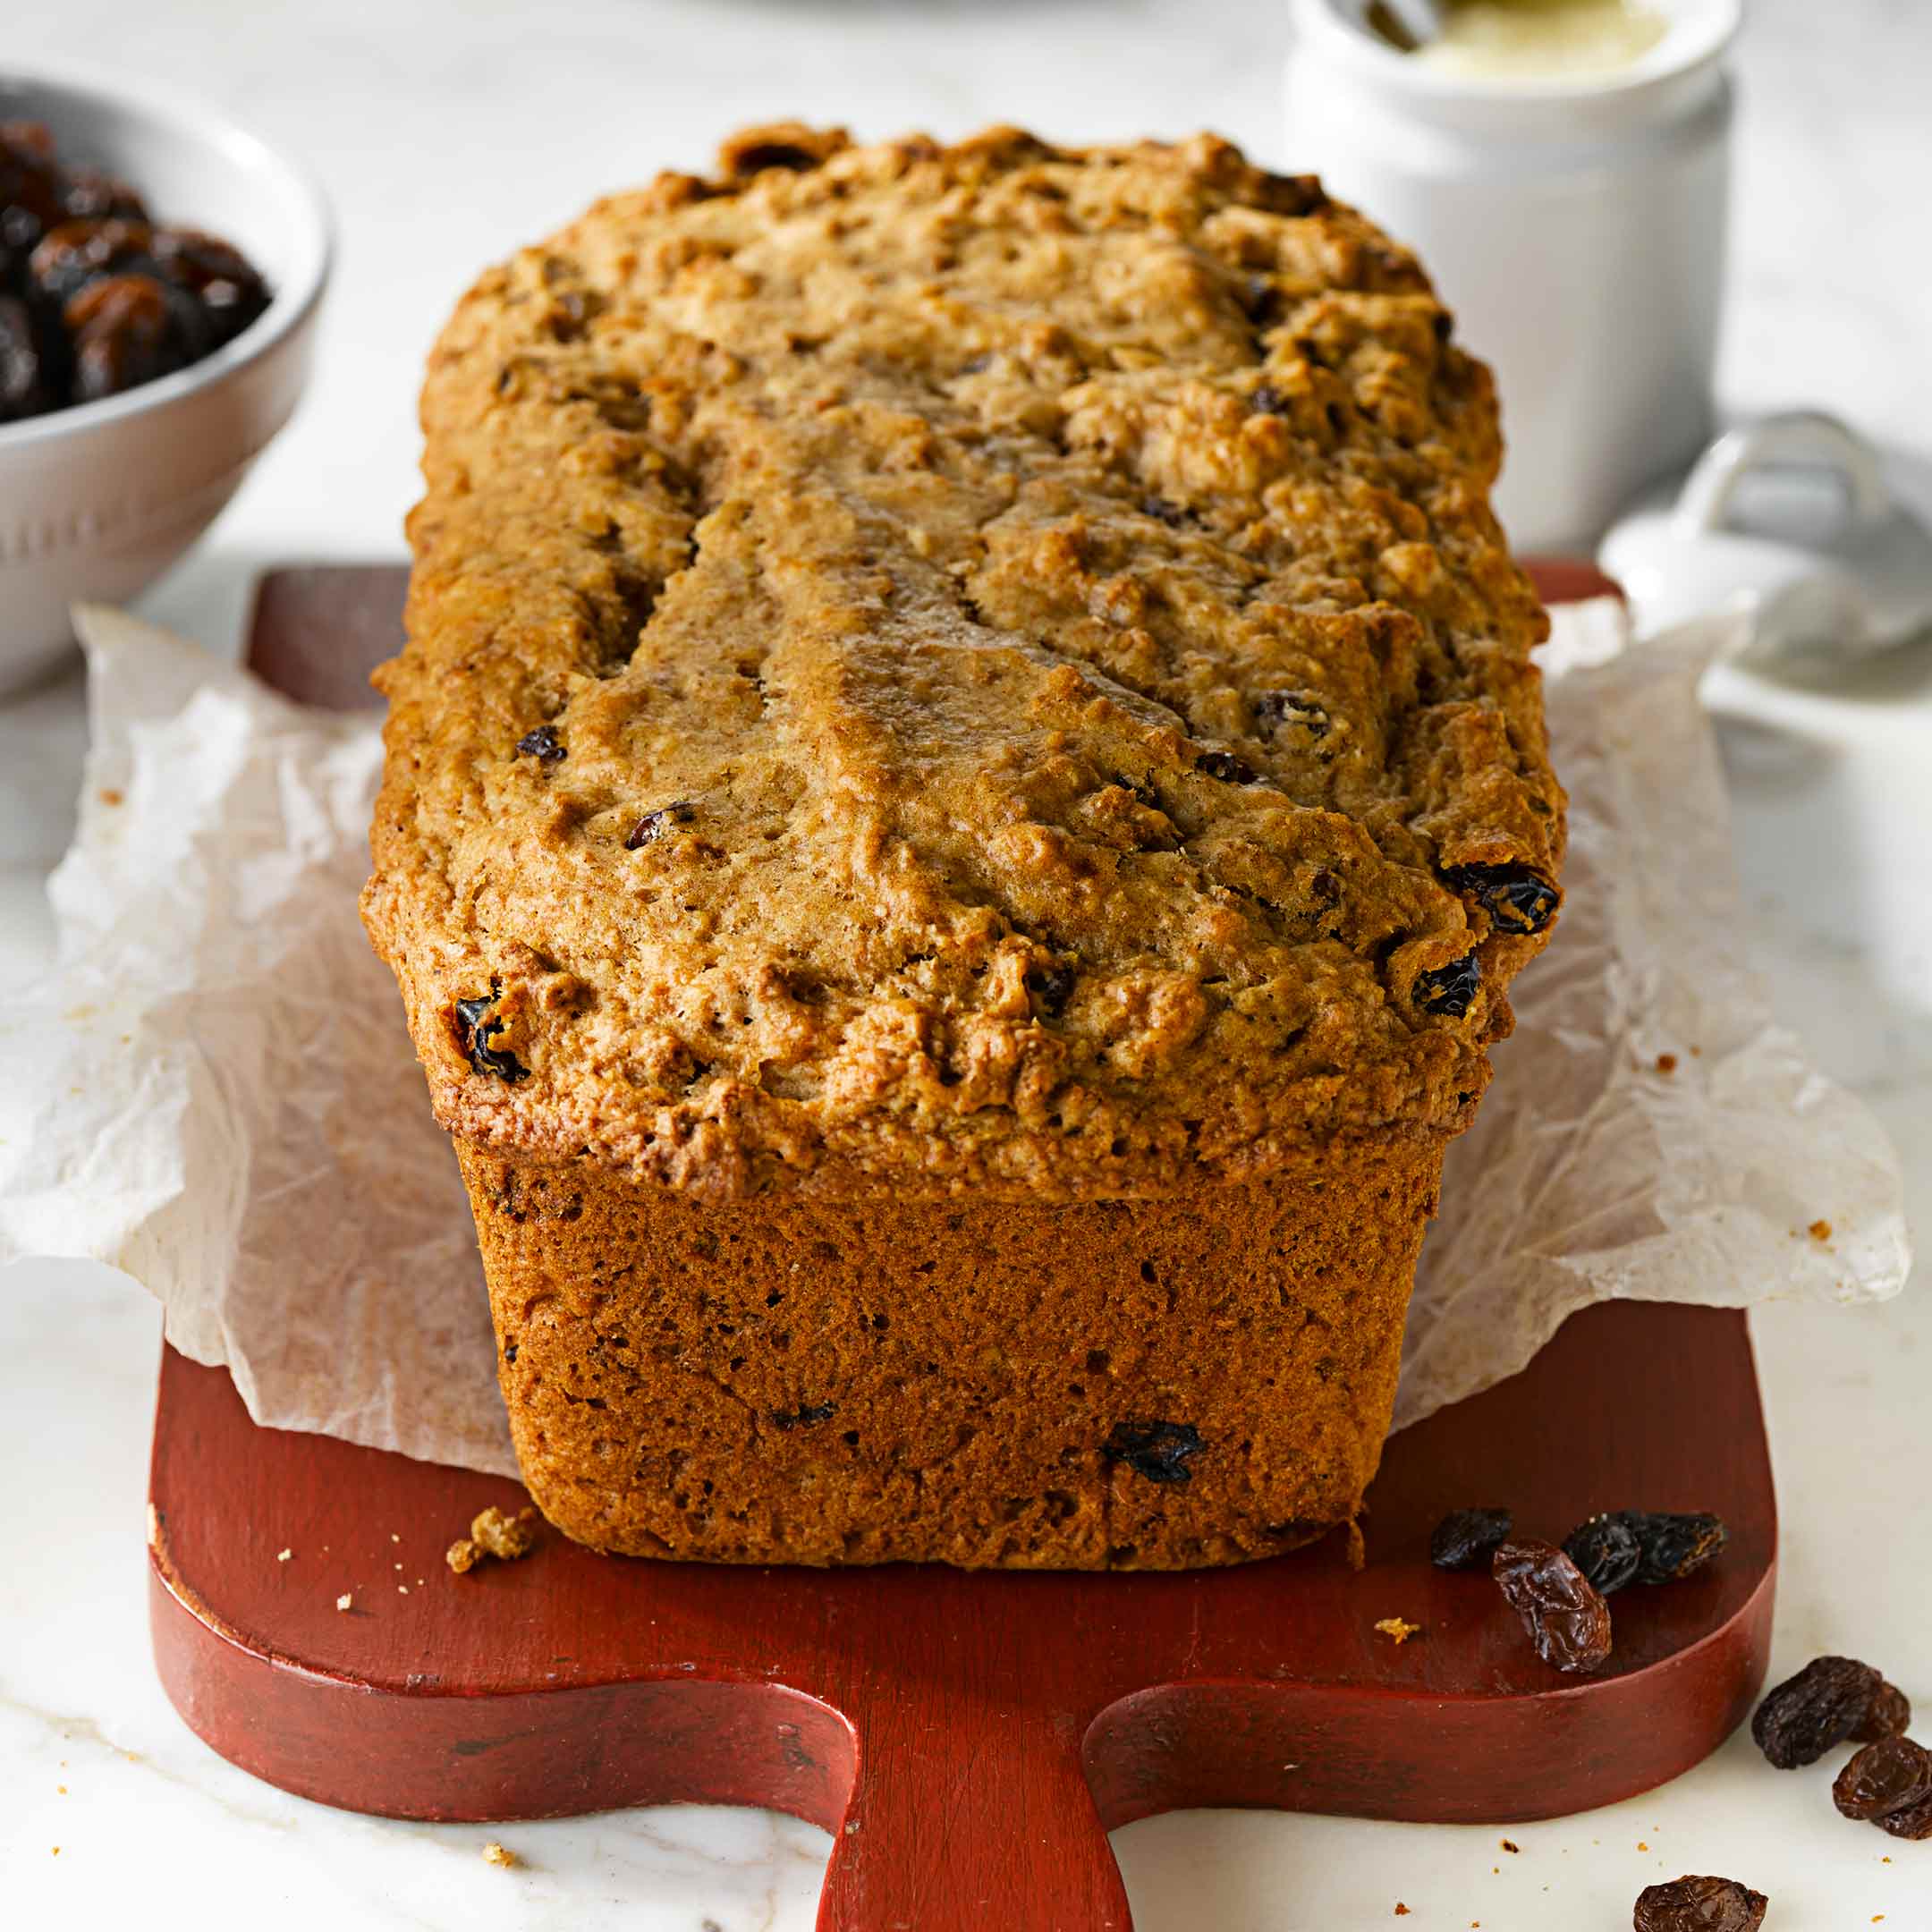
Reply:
x=1794 y=523
x=96 y=501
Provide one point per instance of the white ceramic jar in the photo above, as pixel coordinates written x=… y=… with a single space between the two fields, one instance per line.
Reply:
x=1576 y=227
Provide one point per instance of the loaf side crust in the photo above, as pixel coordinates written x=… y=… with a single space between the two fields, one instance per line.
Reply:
x=1202 y=1379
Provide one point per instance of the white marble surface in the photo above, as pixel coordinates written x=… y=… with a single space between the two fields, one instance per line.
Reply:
x=448 y=131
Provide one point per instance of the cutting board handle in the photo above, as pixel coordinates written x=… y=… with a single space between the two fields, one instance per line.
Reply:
x=965 y=1819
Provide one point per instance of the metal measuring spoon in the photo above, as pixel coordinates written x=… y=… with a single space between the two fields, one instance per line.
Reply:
x=1409 y=24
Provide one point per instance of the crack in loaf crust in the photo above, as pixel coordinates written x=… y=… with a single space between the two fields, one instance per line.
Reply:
x=978 y=681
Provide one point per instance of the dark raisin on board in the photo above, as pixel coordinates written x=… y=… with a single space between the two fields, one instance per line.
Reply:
x=479 y=1027
x=1226 y=766
x=1518 y=900
x=1467 y=1537
x=1689 y=1904
x=541 y=743
x=1888 y=1714
x=1052 y=985
x=1674 y=1545
x=1892 y=1774
x=1159 y=1451
x=1606 y=1549
x=803 y=1416
x=1567 y=1619
x=654 y=824
x=1277 y=708
x=1449 y=990
x=1821 y=1706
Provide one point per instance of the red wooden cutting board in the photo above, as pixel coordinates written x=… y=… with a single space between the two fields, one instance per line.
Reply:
x=969 y=1738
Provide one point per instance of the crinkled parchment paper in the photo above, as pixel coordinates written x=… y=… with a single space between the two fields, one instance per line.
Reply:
x=214 y=1089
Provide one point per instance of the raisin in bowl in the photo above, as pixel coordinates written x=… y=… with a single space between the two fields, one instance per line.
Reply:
x=107 y=483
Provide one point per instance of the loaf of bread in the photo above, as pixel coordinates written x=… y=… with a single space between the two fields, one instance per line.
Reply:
x=964 y=791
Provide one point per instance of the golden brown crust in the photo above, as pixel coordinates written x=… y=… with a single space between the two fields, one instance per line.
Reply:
x=1114 y=1385
x=1016 y=637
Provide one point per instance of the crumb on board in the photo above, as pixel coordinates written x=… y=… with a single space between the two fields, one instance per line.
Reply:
x=499 y=1854
x=284 y=1555
x=111 y=795
x=345 y=1600
x=396 y=1536
x=1510 y=1844
x=494 y=1533
x=1819 y=1231
x=1666 y=1063
x=1397 y=1629
x=1402 y=1910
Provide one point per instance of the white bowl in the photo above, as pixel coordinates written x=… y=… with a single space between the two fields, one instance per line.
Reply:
x=96 y=501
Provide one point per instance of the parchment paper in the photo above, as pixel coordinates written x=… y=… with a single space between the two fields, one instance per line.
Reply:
x=214 y=1091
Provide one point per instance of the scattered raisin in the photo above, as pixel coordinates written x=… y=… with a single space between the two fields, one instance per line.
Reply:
x=1893 y=1774
x=1888 y=1714
x=1674 y=1545
x=1159 y=1451
x=1269 y=401
x=1052 y=985
x=1226 y=766
x=1466 y=1538
x=1172 y=514
x=1700 y=1906
x=1567 y=1619
x=803 y=1416
x=1517 y=899
x=1279 y=707
x=1606 y=1549
x=1807 y=1714
x=1910 y=1821
x=1449 y=990
x=477 y=1034
x=541 y=743
x=654 y=824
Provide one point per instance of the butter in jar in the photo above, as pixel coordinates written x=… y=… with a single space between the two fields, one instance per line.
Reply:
x=1542 y=40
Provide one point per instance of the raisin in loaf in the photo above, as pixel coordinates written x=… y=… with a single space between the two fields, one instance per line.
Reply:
x=964 y=796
